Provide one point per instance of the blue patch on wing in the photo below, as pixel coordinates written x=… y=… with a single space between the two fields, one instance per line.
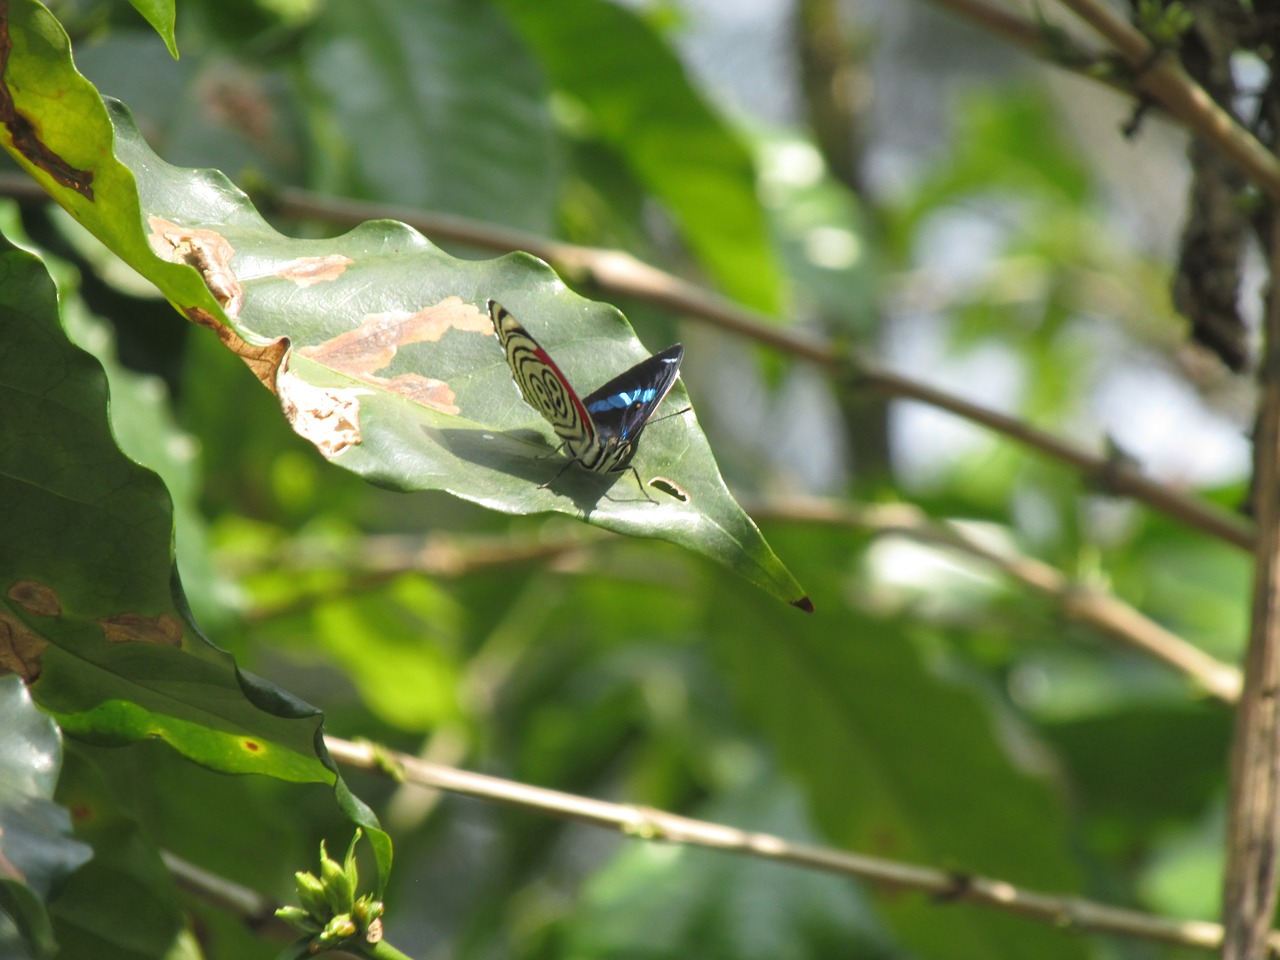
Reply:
x=622 y=400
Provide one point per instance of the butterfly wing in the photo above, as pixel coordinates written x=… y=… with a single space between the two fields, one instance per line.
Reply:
x=544 y=387
x=621 y=408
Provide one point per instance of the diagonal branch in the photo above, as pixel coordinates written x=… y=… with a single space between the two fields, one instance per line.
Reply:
x=1156 y=74
x=647 y=823
x=1094 y=608
x=448 y=557
x=1159 y=75
x=618 y=272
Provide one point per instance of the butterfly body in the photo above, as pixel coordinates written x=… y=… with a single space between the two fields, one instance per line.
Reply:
x=600 y=431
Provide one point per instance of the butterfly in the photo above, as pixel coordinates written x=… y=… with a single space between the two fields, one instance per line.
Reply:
x=601 y=430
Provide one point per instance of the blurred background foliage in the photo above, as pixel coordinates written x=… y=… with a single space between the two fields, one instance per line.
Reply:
x=988 y=230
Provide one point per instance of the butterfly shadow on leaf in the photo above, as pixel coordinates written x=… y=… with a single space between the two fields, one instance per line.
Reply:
x=515 y=452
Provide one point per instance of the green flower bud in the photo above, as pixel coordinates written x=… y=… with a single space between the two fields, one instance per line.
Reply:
x=366 y=911
x=311 y=895
x=340 y=928
x=338 y=888
x=349 y=864
x=299 y=919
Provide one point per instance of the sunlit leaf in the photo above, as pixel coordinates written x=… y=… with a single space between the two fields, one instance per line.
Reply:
x=376 y=341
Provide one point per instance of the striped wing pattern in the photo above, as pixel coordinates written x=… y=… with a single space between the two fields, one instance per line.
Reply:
x=545 y=388
x=601 y=432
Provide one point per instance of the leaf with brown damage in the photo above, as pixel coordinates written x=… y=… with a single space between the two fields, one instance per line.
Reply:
x=36 y=598
x=363 y=352
x=21 y=648
x=308 y=271
x=327 y=416
x=164 y=629
x=206 y=250
x=24 y=130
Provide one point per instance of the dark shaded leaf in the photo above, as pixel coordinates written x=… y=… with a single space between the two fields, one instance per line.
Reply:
x=93 y=617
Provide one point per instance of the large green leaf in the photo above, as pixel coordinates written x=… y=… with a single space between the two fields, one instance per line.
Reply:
x=431 y=105
x=122 y=904
x=93 y=616
x=899 y=763
x=391 y=369
x=640 y=102
x=36 y=846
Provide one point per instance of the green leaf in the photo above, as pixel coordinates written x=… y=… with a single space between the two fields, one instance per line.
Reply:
x=899 y=763
x=674 y=142
x=122 y=904
x=432 y=105
x=160 y=14
x=35 y=833
x=391 y=369
x=93 y=617
x=396 y=642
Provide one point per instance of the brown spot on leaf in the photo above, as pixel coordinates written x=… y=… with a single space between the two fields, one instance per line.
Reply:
x=327 y=416
x=263 y=359
x=35 y=597
x=81 y=812
x=21 y=648
x=308 y=271
x=24 y=133
x=164 y=629
x=206 y=250
x=252 y=746
x=362 y=352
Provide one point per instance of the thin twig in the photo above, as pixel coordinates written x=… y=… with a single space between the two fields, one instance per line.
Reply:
x=649 y=824
x=257 y=912
x=1093 y=607
x=384 y=558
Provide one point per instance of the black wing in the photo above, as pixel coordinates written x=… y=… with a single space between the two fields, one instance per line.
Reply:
x=625 y=404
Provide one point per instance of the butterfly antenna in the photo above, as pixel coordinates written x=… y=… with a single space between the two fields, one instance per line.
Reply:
x=668 y=416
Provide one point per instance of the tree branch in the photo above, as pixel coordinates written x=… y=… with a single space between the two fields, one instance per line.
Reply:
x=381 y=558
x=620 y=273
x=1157 y=74
x=1253 y=828
x=647 y=823
x=1092 y=607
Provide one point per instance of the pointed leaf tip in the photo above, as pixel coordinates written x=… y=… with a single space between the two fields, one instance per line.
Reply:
x=804 y=603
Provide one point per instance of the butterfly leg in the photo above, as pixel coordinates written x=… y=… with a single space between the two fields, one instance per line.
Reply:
x=568 y=464
x=635 y=473
x=644 y=493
